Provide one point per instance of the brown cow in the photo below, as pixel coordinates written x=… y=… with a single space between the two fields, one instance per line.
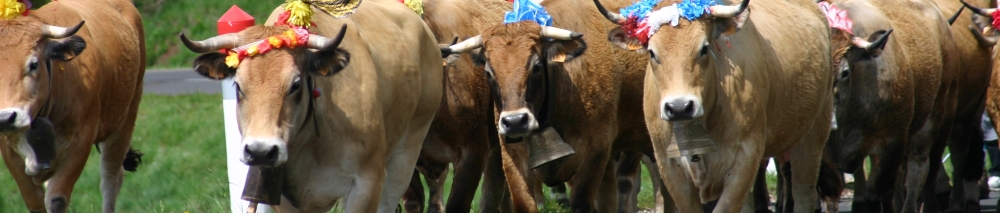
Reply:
x=462 y=132
x=91 y=97
x=592 y=102
x=760 y=89
x=894 y=96
x=359 y=138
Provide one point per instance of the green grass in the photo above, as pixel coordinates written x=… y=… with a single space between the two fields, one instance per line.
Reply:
x=184 y=167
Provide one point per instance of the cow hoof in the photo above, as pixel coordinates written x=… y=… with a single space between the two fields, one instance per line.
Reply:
x=763 y=211
x=57 y=204
x=866 y=206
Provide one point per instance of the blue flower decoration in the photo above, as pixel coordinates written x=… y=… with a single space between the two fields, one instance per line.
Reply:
x=639 y=9
x=526 y=10
x=692 y=9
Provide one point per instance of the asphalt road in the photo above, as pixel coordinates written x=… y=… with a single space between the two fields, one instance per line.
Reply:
x=178 y=81
x=181 y=81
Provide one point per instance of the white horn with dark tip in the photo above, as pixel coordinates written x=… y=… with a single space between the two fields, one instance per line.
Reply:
x=870 y=46
x=729 y=11
x=980 y=11
x=611 y=16
x=557 y=33
x=468 y=44
x=323 y=43
x=60 y=32
x=226 y=41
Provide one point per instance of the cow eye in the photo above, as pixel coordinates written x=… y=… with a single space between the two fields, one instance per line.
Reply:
x=845 y=70
x=652 y=56
x=704 y=51
x=239 y=92
x=296 y=85
x=536 y=68
x=32 y=65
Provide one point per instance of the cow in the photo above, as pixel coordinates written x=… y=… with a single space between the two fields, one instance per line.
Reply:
x=895 y=97
x=541 y=77
x=462 y=132
x=73 y=86
x=343 y=116
x=759 y=89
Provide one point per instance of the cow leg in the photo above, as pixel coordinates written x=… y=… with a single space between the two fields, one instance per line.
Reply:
x=33 y=194
x=364 y=196
x=864 y=193
x=413 y=199
x=60 y=187
x=515 y=167
x=536 y=189
x=468 y=172
x=585 y=188
x=884 y=175
x=679 y=185
x=629 y=181
x=493 y=188
x=761 y=199
x=608 y=202
x=737 y=188
x=664 y=203
x=435 y=175
x=806 y=158
x=967 y=160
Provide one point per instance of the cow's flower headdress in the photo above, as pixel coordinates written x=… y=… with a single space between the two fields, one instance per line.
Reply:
x=527 y=10
x=297 y=15
x=836 y=17
x=11 y=9
x=641 y=21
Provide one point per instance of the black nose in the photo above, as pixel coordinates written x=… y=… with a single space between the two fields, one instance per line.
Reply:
x=679 y=110
x=260 y=154
x=7 y=121
x=515 y=123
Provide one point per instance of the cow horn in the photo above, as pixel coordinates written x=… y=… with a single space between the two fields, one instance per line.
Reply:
x=561 y=34
x=468 y=44
x=982 y=39
x=323 y=43
x=955 y=16
x=871 y=46
x=60 y=32
x=226 y=41
x=729 y=11
x=611 y=16
x=980 y=11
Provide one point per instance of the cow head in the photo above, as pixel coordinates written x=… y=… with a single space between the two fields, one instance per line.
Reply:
x=856 y=67
x=681 y=57
x=274 y=95
x=517 y=57
x=29 y=47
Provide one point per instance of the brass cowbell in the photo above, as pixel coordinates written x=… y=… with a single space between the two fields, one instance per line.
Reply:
x=546 y=146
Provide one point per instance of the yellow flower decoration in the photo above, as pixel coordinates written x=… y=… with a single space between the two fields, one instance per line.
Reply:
x=300 y=13
x=293 y=41
x=416 y=6
x=233 y=60
x=252 y=51
x=10 y=9
x=274 y=41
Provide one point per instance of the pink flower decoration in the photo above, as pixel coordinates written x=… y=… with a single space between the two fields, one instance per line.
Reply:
x=838 y=18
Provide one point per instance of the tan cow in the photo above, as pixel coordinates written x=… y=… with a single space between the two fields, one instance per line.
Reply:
x=91 y=97
x=359 y=139
x=463 y=132
x=758 y=78
x=587 y=91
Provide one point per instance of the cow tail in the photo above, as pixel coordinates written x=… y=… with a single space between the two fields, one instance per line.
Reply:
x=132 y=159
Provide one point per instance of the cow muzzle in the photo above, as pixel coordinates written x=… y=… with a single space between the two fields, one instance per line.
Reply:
x=680 y=108
x=12 y=119
x=264 y=152
x=517 y=123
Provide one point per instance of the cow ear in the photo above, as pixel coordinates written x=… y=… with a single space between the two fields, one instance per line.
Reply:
x=213 y=65
x=728 y=26
x=560 y=51
x=620 y=38
x=326 y=62
x=67 y=49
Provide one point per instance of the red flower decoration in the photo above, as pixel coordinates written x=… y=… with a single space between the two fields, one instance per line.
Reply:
x=996 y=20
x=636 y=29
